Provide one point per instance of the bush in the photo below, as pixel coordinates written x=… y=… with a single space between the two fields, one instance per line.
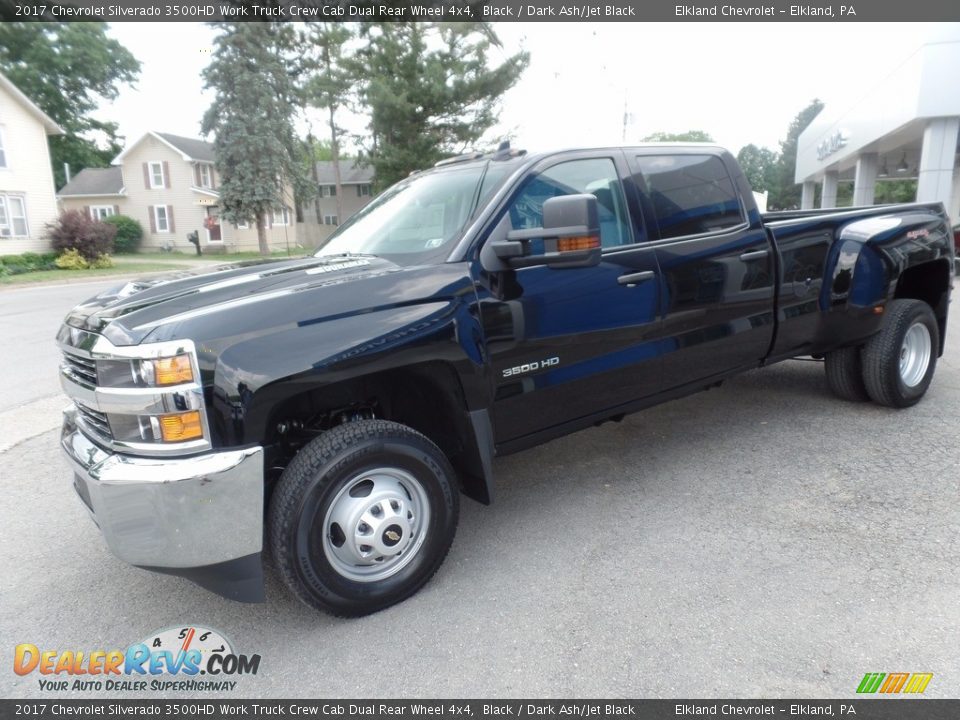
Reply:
x=28 y=262
x=72 y=260
x=129 y=233
x=75 y=230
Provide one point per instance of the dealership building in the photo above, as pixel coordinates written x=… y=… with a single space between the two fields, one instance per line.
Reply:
x=902 y=126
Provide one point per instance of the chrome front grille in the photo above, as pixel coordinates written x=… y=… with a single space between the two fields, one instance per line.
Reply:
x=82 y=367
x=95 y=421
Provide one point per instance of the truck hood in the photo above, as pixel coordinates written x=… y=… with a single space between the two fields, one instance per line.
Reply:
x=240 y=298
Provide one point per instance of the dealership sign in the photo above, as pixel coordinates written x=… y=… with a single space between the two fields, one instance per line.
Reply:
x=833 y=143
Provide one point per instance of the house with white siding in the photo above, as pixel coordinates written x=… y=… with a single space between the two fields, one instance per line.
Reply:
x=27 y=193
x=169 y=183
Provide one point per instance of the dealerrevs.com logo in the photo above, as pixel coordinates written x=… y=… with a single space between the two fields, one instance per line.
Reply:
x=168 y=660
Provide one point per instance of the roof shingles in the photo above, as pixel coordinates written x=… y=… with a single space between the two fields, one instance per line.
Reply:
x=94 y=181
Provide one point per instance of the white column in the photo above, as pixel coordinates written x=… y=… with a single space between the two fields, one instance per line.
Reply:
x=865 y=180
x=806 y=200
x=828 y=199
x=937 y=161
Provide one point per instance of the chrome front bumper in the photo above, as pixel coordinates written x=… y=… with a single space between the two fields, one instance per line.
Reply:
x=200 y=517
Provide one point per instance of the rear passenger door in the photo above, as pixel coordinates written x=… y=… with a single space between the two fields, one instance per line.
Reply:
x=716 y=263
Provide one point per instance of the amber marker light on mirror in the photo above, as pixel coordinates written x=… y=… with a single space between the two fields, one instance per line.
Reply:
x=181 y=427
x=586 y=242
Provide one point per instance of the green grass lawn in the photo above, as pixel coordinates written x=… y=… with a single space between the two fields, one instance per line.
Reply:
x=132 y=265
x=126 y=268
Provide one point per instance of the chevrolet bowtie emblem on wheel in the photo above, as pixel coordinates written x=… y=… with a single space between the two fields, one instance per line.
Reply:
x=393 y=535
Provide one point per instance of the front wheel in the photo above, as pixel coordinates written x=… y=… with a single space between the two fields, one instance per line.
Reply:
x=899 y=361
x=363 y=517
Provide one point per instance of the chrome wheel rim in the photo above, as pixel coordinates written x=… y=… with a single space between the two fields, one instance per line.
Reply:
x=376 y=524
x=915 y=355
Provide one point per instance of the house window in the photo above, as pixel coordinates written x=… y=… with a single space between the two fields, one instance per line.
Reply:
x=206 y=176
x=3 y=152
x=281 y=216
x=101 y=212
x=328 y=191
x=364 y=190
x=161 y=221
x=156 y=175
x=13 y=216
x=330 y=220
x=243 y=226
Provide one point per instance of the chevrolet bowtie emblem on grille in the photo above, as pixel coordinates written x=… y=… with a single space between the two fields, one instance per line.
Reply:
x=392 y=535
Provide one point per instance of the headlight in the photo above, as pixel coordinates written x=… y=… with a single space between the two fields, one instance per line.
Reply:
x=174 y=370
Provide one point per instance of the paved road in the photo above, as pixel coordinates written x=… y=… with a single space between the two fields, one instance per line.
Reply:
x=762 y=539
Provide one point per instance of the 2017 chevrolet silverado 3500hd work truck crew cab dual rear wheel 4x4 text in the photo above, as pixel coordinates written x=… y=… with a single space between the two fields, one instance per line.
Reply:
x=327 y=412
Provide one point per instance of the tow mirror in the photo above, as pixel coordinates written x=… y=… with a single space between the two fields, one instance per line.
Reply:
x=569 y=238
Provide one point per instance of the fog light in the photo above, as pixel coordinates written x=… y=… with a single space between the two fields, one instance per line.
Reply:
x=180 y=427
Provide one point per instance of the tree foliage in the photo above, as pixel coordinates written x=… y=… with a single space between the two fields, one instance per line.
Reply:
x=688 y=136
x=759 y=165
x=430 y=91
x=331 y=75
x=251 y=119
x=785 y=194
x=67 y=69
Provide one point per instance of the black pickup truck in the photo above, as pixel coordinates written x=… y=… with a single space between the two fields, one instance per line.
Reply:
x=330 y=410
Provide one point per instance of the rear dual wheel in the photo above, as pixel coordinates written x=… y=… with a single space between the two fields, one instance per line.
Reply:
x=896 y=365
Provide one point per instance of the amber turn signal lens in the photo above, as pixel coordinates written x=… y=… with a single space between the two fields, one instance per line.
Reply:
x=173 y=370
x=180 y=427
x=586 y=242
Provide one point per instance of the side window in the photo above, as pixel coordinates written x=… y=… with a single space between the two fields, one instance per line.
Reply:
x=594 y=175
x=690 y=194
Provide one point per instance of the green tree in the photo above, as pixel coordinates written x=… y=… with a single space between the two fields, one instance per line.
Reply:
x=895 y=191
x=760 y=165
x=329 y=85
x=256 y=150
x=785 y=195
x=430 y=91
x=688 y=136
x=67 y=69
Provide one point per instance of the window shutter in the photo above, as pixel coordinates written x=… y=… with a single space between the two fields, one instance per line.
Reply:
x=146 y=176
x=153 y=219
x=116 y=209
x=358 y=191
x=213 y=178
x=196 y=174
x=86 y=211
x=166 y=174
x=170 y=218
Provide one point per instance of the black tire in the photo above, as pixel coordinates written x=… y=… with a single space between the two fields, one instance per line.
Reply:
x=845 y=374
x=881 y=355
x=316 y=479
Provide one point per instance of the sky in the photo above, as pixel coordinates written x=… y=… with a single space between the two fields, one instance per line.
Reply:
x=740 y=82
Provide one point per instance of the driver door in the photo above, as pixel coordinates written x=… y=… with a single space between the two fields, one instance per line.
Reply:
x=569 y=343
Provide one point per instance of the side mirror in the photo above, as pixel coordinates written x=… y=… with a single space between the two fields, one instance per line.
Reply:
x=570 y=236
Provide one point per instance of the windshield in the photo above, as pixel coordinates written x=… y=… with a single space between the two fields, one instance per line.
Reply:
x=415 y=221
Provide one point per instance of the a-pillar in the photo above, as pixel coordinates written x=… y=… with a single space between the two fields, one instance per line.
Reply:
x=937 y=161
x=809 y=190
x=865 y=180
x=828 y=199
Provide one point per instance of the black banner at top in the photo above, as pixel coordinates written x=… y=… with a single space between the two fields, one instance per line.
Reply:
x=492 y=10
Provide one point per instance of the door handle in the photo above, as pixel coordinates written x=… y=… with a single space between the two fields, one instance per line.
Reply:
x=754 y=255
x=633 y=279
